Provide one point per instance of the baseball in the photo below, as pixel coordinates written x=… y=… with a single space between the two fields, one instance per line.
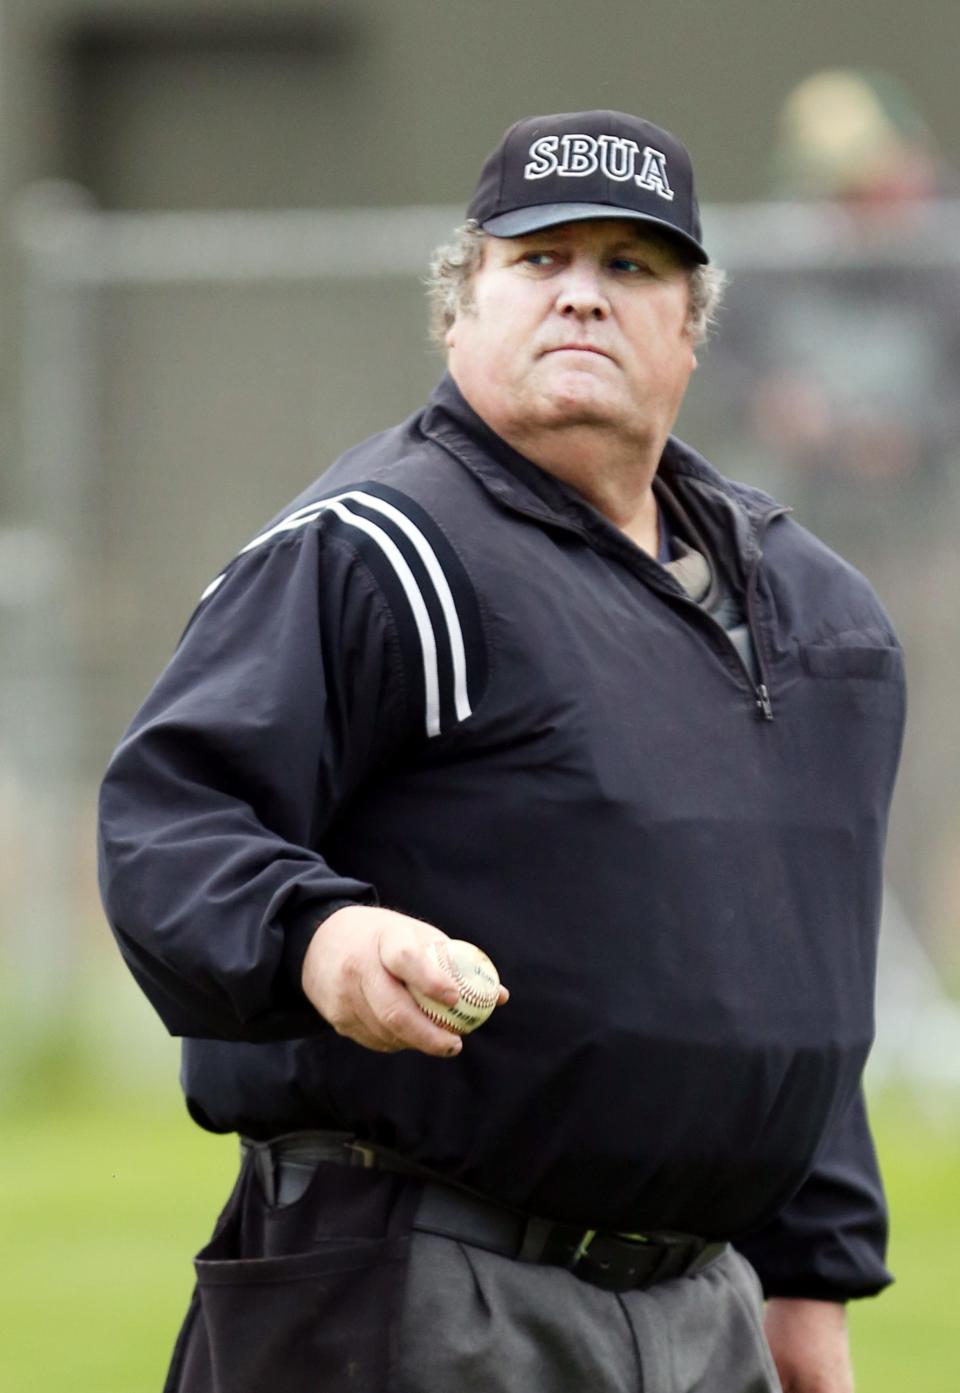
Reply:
x=477 y=979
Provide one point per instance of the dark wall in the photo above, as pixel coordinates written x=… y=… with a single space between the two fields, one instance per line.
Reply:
x=377 y=101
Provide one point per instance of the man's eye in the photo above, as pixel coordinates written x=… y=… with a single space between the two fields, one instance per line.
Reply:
x=627 y=263
x=538 y=258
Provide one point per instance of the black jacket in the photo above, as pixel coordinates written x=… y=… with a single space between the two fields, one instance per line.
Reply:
x=444 y=683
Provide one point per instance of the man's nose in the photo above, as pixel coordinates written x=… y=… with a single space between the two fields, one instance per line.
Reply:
x=581 y=295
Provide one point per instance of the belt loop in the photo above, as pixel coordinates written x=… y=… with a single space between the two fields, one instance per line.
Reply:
x=361 y=1155
x=266 y=1168
x=536 y=1232
x=708 y=1254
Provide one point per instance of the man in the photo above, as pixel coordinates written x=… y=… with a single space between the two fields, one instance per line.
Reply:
x=525 y=671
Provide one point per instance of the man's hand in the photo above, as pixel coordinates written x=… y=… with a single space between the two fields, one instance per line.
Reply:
x=810 y=1346
x=356 y=973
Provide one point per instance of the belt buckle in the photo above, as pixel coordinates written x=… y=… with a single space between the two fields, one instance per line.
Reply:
x=615 y=1263
x=580 y=1251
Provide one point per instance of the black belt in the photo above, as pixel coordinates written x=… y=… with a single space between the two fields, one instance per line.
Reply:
x=285 y=1166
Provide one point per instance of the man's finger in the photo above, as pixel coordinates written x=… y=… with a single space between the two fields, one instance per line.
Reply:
x=358 y=1023
x=400 y=1018
x=412 y=960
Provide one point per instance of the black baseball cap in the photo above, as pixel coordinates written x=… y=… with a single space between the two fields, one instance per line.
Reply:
x=582 y=165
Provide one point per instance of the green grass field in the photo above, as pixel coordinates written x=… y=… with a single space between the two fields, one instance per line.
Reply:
x=102 y=1205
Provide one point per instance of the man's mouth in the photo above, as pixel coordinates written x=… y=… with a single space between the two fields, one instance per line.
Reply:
x=578 y=348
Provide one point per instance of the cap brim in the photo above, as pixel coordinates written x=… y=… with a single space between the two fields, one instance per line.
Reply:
x=523 y=220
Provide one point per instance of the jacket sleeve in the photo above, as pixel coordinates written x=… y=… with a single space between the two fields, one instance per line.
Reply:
x=285 y=692
x=829 y=1242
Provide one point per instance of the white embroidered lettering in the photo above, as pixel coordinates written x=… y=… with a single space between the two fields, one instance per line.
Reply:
x=618 y=157
x=543 y=158
x=653 y=173
x=579 y=155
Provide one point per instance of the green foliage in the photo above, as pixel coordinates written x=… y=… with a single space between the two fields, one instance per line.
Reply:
x=104 y=1200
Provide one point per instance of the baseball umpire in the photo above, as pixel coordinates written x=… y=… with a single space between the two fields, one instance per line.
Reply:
x=525 y=670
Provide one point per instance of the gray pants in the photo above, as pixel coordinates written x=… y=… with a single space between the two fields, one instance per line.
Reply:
x=474 y=1322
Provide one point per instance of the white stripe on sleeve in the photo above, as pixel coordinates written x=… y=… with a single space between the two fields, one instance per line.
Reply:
x=434 y=570
x=408 y=581
x=428 y=640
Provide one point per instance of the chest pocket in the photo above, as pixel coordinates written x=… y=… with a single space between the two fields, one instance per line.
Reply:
x=837 y=660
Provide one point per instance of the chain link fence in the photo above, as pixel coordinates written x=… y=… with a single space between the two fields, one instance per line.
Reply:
x=185 y=374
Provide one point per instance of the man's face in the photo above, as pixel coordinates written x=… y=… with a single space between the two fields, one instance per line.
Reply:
x=582 y=325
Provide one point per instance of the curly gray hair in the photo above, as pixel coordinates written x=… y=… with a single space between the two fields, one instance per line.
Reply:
x=450 y=282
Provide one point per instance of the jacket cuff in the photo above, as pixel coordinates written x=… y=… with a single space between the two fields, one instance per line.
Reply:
x=813 y=1288
x=828 y=1243
x=300 y=923
x=817 y=1251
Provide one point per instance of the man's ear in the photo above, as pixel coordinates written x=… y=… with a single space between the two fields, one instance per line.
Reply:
x=449 y=337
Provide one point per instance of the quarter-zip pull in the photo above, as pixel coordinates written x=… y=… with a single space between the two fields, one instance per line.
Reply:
x=764 y=705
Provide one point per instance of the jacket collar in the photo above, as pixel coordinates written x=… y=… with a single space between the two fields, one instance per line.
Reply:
x=512 y=479
x=733 y=514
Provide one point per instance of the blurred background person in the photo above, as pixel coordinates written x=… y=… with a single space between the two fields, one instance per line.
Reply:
x=856 y=138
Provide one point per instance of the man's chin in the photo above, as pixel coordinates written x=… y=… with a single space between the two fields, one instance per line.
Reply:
x=573 y=404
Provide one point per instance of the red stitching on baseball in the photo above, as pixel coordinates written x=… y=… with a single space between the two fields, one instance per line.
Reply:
x=443 y=1021
x=473 y=995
